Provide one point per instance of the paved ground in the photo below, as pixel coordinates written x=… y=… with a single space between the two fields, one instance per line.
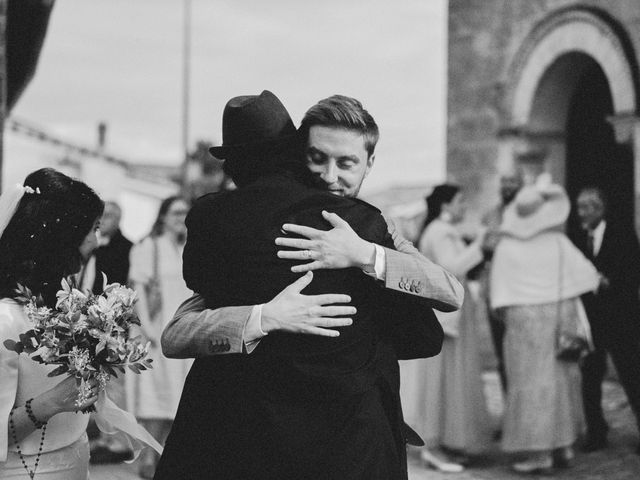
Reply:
x=618 y=462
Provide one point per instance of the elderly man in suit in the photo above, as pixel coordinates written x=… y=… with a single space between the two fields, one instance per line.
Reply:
x=613 y=310
x=339 y=152
x=300 y=406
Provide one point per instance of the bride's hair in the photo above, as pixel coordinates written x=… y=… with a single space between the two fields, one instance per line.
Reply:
x=40 y=245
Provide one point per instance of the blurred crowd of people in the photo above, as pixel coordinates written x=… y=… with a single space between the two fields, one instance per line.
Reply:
x=555 y=307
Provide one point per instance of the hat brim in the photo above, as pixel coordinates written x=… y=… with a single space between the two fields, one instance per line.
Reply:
x=287 y=141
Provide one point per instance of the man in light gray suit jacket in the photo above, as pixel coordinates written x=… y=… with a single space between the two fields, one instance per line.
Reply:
x=340 y=157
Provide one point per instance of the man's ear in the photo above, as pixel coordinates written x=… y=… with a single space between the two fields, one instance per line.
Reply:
x=370 y=161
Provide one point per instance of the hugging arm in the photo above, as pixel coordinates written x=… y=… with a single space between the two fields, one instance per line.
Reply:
x=196 y=331
x=404 y=269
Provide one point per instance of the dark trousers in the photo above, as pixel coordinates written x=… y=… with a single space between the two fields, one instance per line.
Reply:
x=625 y=353
x=497 y=329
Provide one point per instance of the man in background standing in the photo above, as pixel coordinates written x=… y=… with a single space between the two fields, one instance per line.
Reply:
x=112 y=254
x=613 y=310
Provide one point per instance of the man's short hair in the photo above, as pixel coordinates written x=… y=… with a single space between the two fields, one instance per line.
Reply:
x=340 y=111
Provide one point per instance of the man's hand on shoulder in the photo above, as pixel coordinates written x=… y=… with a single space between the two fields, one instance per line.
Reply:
x=339 y=247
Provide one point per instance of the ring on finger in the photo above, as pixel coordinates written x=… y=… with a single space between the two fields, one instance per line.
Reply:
x=307 y=253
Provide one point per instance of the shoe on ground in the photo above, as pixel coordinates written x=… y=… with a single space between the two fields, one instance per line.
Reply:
x=456 y=456
x=438 y=464
x=542 y=464
x=563 y=457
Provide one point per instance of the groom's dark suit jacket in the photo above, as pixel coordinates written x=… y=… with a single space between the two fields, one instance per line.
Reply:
x=299 y=406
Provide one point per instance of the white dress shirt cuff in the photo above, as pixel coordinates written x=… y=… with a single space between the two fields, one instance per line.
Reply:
x=253 y=329
x=380 y=264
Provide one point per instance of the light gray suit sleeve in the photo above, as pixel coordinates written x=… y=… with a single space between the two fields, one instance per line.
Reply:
x=196 y=331
x=407 y=270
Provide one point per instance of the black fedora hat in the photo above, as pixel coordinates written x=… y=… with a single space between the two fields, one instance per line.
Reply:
x=251 y=123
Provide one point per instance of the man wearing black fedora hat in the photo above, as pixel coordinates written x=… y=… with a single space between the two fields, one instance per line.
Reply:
x=300 y=406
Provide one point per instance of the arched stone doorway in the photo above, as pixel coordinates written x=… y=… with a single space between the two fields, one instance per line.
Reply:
x=593 y=157
x=572 y=92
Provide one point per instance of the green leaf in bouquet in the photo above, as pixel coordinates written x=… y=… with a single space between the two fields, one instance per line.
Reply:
x=23 y=294
x=101 y=345
x=58 y=371
x=29 y=341
x=134 y=368
x=14 y=346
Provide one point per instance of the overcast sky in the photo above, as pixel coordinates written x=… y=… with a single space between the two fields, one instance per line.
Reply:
x=120 y=61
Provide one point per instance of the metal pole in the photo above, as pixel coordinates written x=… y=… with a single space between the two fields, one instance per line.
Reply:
x=186 y=75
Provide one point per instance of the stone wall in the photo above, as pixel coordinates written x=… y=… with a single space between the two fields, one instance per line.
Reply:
x=484 y=39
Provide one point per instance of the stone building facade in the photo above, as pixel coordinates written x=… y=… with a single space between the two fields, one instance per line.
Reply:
x=561 y=76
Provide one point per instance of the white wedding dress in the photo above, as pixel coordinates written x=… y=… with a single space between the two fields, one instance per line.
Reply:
x=65 y=451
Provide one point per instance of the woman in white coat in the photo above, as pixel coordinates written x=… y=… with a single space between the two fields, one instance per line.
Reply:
x=537 y=278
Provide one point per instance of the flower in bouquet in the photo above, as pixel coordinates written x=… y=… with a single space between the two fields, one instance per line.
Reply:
x=86 y=335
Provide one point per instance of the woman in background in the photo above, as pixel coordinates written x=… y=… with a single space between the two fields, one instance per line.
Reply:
x=48 y=228
x=443 y=396
x=156 y=274
x=537 y=278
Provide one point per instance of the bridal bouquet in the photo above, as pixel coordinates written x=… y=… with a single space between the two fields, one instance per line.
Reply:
x=87 y=335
